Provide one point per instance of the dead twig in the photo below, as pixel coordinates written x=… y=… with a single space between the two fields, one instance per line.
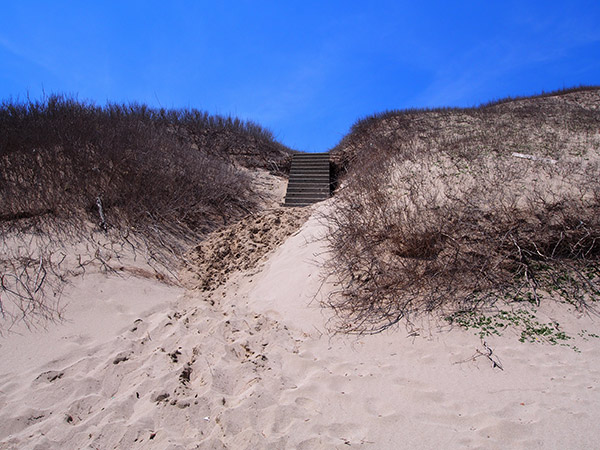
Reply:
x=488 y=354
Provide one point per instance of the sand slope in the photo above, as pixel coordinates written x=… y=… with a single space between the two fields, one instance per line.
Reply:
x=251 y=364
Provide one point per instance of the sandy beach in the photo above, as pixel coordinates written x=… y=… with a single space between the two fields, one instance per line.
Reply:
x=254 y=363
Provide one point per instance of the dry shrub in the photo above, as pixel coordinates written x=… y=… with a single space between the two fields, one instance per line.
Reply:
x=437 y=215
x=152 y=181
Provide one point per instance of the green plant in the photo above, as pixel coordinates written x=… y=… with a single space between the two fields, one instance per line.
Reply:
x=522 y=320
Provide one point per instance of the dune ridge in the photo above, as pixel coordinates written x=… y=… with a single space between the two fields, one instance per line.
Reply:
x=231 y=328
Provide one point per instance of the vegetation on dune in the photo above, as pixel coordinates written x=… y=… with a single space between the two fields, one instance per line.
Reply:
x=479 y=214
x=468 y=210
x=176 y=168
x=550 y=110
x=153 y=180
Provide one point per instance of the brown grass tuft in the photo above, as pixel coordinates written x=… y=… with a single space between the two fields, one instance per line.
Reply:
x=435 y=212
x=115 y=177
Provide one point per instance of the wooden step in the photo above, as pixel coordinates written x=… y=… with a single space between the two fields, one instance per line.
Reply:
x=310 y=176
x=307 y=198
x=323 y=161
x=303 y=201
x=309 y=179
x=308 y=188
x=310 y=167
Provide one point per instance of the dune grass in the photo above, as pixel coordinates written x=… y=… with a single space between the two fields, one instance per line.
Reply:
x=461 y=210
x=152 y=180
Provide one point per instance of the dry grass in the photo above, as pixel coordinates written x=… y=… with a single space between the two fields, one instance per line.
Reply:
x=436 y=214
x=115 y=177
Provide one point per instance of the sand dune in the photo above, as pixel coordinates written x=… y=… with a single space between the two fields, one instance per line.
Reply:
x=252 y=363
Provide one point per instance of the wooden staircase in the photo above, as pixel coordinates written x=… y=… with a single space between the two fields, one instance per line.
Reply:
x=309 y=179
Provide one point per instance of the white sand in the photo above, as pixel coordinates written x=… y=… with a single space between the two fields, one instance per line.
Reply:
x=251 y=365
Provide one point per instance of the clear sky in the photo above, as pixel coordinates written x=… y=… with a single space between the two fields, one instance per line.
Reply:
x=307 y=70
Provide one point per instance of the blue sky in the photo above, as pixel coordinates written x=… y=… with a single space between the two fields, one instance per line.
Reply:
x=305 y=70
